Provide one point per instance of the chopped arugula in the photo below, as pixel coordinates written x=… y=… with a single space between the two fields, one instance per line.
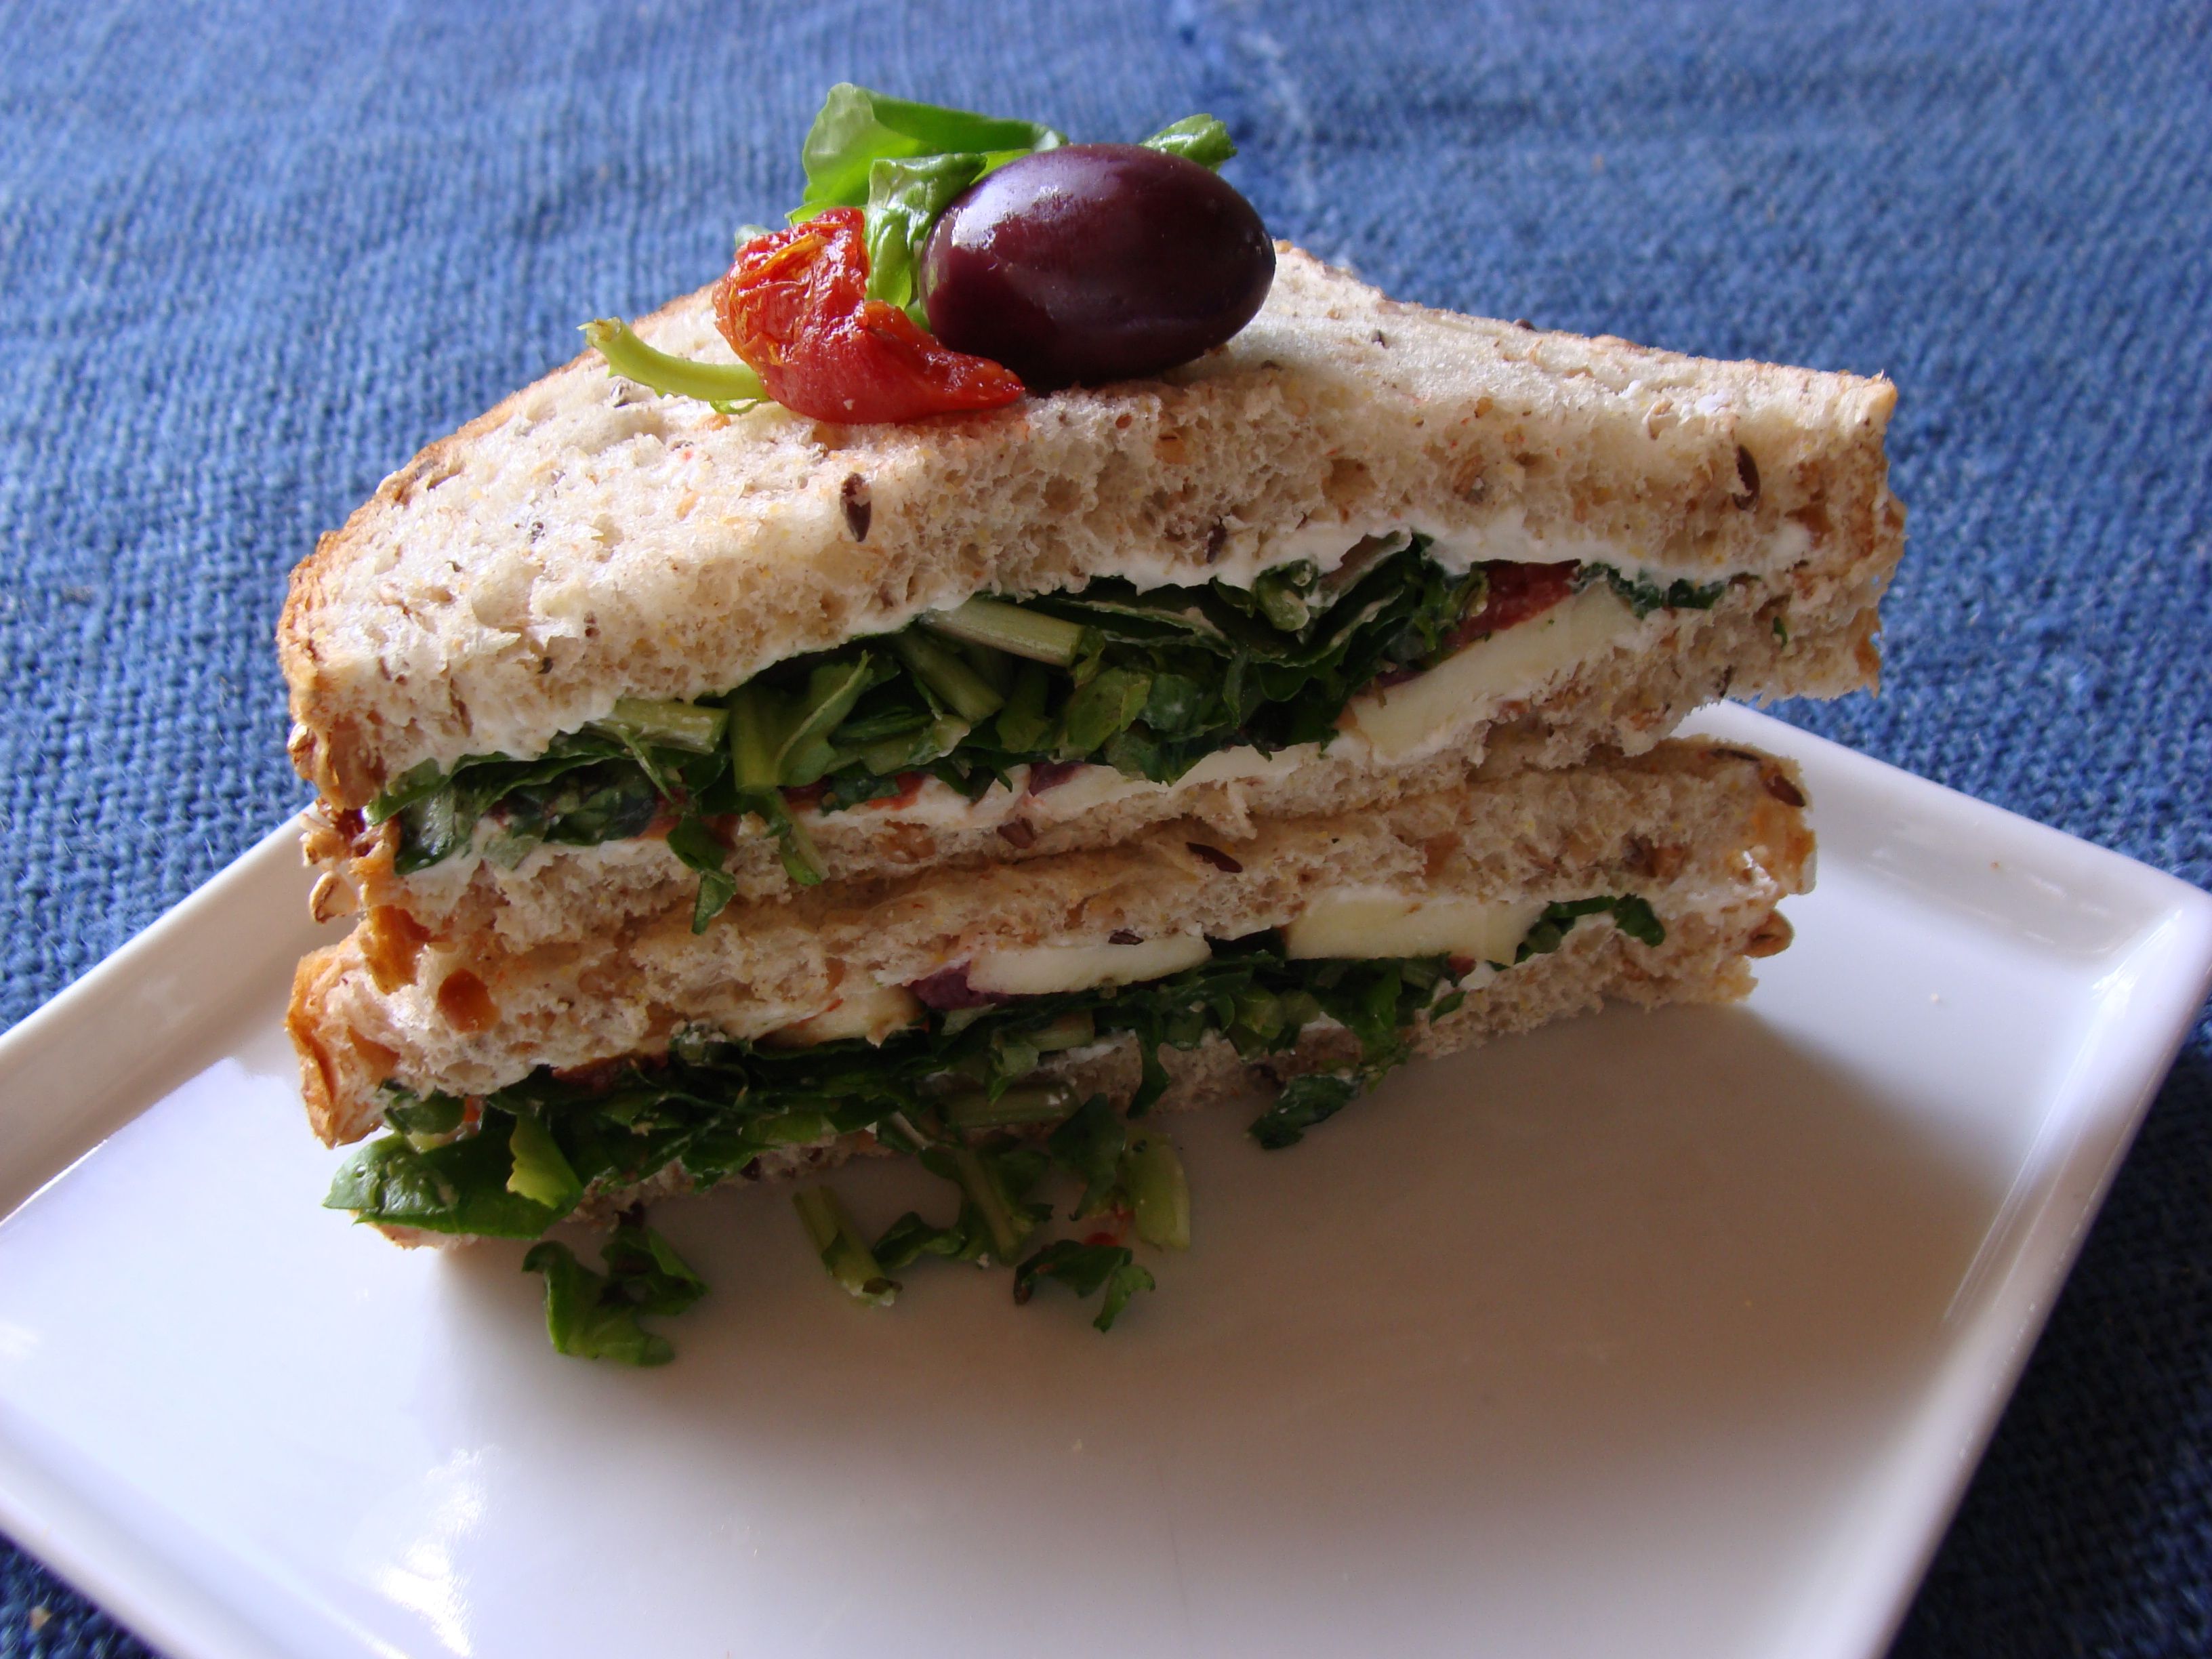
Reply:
x=958 y=1091
x=1634 y=916
x=539 y=1172
x=713 y=1105
x=1150 y=681
x=594 y=1316
x=843 y=1250
x=1304 y=1102
x=1090 y=1144
x=1085 y=1269
x=1642 y=596
x=1139 y=1174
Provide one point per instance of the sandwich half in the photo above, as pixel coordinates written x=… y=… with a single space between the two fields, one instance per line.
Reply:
x=600 y=658
x=953 y=1013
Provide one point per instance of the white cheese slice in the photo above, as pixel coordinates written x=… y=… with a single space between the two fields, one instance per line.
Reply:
x=1370 y=922
x=1084 y=792
x=1244 y=764
x=1520 y=661
x=865 y=1010
x=1043 y=969
x=1096 y=786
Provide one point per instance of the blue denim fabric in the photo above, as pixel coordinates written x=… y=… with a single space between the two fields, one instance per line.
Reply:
x=252 y=258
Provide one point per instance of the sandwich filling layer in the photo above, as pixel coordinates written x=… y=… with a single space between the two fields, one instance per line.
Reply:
x=1108 y=691
x=995 y=1044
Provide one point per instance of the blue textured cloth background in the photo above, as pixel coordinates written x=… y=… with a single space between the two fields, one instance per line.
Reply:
x=252 y=258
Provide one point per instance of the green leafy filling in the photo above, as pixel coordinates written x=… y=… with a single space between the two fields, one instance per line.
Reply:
x=1149 y=681
x=716 y=1105
x=1642 y=596
x=1085 y=1269
x=1630 y=914
x=954 y=1090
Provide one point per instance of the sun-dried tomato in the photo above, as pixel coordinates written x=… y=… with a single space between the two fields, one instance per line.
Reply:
x=1515 y=594
x=795 y=308
x=910 y=787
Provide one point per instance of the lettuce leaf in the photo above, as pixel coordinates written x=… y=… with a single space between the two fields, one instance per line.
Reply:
x=1085 y=1269
x=594 y=1316
x=856 y=128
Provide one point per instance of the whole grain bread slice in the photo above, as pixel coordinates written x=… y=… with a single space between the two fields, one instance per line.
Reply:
x=585 y=541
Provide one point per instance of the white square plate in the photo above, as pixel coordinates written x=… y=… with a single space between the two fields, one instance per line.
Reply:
x=1670 y=1334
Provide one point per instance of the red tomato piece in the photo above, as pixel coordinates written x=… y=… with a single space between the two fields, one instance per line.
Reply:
x=1516 y=593
x=909 y=787
x=795 y=308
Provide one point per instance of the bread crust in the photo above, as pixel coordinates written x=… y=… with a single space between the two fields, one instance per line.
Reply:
x=584 y=541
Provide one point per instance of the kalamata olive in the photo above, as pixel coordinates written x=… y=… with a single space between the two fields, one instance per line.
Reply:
x=1095 y=262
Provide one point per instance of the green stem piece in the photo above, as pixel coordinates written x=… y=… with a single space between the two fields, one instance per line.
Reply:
x=675 y=725
x=1006 y=1229
x=958 y=685
x=1009 y=628
x=755 y=740
x=1159 y=1192
x=843 y=1250
x=726 y=385
x=1031 y=1102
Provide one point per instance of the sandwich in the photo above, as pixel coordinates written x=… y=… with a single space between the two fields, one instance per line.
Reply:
x=969 y=1016
x=782 y=733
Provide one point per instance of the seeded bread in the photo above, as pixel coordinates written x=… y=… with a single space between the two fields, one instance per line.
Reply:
x=1698 y=829
x=585 y=541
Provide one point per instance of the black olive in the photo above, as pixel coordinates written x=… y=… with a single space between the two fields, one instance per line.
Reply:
x=1095 y=262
